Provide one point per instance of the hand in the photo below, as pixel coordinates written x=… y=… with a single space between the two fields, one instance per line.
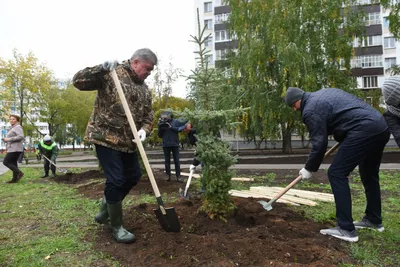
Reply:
x=142 y=135
x=110 y=65
x=192 y=167
x=5 y=139
x=305 y=174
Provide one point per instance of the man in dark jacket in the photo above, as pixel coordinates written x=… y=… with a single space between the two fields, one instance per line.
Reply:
x=168 y=130
x=363 y=134
x=49 y=149
x=108 y=129
x=391 y=95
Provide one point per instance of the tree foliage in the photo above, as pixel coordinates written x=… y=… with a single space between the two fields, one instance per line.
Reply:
x=287 y=43
x=22 y=78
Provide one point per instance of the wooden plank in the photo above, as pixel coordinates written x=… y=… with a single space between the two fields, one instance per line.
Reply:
x=284 y=198
x=244 y=194
x=295 y=192
x=271 y=195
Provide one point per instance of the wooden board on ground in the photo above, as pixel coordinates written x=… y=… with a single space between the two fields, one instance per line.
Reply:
x=247 y=194
x=295 y=196
x=295 y=192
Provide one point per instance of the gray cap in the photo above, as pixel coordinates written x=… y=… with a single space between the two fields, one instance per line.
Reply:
x=391 y=91
x=292 y=95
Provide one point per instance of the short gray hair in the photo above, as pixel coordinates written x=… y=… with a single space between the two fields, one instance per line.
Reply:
x=146 y=55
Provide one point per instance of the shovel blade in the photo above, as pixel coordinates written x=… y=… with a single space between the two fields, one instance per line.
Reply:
x=169 y=221
x=266 y=205
x=182 y=194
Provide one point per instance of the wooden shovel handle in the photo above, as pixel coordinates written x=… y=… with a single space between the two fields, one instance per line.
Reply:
x=135 y=133
x=295 y=181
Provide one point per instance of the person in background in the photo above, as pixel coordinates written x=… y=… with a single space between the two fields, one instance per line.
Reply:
x=108 y=129
x=391 y=95
x=362 y=133
x=14 y=144
x=168 y=130
x=49 y=149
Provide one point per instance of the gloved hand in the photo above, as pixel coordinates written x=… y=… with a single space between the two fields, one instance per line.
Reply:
x=192 y=167
x=305 y=174
x=110 y=65
x=142 y=135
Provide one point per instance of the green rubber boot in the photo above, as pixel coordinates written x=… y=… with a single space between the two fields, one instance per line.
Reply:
x=118 y=231
x=102 y=216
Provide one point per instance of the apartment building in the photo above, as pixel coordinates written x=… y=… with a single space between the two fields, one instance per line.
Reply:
x=378 y=52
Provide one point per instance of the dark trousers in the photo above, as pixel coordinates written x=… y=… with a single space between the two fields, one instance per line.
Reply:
x=122 y=171
x=48 y=166
x=11 y=162
x=167 y=157
x=365 y=152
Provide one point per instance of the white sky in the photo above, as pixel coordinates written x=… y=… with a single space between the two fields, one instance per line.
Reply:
x=69 y=35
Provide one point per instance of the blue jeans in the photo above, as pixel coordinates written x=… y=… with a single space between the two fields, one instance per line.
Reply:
x=358 y=149
x=122 y=171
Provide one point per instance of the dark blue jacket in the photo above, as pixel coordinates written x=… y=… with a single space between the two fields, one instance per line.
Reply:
x=394 y=125
x=170 y=132
x=335 y=112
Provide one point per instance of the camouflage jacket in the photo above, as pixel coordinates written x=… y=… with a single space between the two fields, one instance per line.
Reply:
x=108 y=125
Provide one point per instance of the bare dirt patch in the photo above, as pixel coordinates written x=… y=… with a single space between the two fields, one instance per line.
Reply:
x=252 y=237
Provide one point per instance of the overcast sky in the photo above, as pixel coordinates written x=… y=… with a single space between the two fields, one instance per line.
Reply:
x=69 y=35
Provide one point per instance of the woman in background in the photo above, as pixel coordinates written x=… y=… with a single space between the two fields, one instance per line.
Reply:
x=14 y=140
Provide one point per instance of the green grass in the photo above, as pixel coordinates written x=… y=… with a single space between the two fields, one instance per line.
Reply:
x=373 y=248
x=44 y=224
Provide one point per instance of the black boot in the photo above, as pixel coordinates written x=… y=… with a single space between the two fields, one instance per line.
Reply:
x=168 y=178
x=179 y=179
x=118 y=231
x=45 y=175
x=14 y=179
x=102 y=216
x=19 y=176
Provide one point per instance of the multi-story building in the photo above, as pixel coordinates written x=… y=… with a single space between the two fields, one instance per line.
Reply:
x=373 y=58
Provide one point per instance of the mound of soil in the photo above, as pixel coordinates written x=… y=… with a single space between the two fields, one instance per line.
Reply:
x=252 y=237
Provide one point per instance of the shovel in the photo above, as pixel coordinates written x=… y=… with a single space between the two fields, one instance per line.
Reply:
x=184 y=193
x=166 y=216
x=57 y=168
x=268 y=205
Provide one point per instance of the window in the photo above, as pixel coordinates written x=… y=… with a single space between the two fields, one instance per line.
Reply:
x=372 y=61
x=373 y=40
x=220 y=54
x=373 y=18
x=208 y=42
x=221 y=18
x=370 y=82
x=390 y=62
x=385 y=22
x=221 y=36
x=389 y=42
x=210 y=59
x=207 y=7
x=208 y=24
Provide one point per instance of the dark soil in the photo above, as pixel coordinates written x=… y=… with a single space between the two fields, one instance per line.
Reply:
x=252 y=237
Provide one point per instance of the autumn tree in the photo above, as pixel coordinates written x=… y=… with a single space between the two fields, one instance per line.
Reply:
x=287 y=43
x=22 y=78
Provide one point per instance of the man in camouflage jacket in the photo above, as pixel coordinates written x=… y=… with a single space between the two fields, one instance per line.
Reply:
x=108 y=129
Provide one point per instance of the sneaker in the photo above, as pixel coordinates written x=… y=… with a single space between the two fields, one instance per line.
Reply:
x=337 y=232
x=365 y=223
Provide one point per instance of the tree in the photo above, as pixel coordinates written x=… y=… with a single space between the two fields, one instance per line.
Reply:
x=22 y=77
x=206 y=88
x=287 y=43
